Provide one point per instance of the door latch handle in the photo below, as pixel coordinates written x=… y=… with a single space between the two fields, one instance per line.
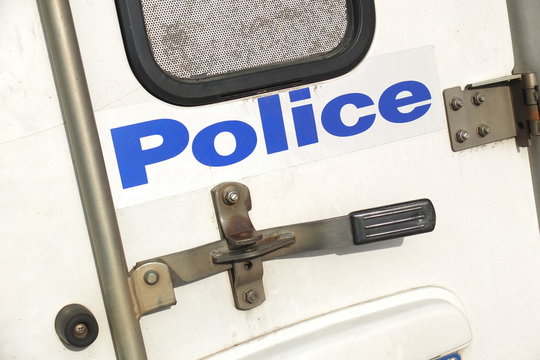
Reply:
x=242 y=249
x=393 y=221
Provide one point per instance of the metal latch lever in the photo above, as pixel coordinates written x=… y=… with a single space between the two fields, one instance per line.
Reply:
x=243 y=249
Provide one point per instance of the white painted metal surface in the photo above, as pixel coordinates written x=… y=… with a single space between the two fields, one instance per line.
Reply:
x=418 y=324
x=28 y=101
x=186 y=173
x=45 y=254
x=485 y=247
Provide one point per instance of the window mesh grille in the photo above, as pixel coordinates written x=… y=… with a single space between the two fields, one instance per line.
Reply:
x=196 y=39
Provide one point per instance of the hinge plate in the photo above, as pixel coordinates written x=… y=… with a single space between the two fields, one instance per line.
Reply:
x=490 y=111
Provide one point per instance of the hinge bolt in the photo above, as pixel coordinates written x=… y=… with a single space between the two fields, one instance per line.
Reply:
x=478 y=99
x=462 y=136
x=483 y=130
x=456 y=104
x=231 y=197
x=151 y=277
x=251 y=296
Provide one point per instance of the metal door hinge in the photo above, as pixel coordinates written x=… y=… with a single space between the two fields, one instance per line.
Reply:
x=493 y=110
x=242 y=249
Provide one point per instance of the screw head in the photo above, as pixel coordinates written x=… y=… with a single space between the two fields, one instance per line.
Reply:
x=478 y=99
x=483 y=130
x=456 y=104
x=231 y=197
x=151 y=277
x=462 y=136
x=80 y=330
x=251 y=296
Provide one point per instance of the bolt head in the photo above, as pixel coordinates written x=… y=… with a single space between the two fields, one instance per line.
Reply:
x=478 y=99
x=80 y=330
x=151 y=277
x=231 y=197
x=462 y=136
x=483 y=130
x=456 y=104
x=251 y=296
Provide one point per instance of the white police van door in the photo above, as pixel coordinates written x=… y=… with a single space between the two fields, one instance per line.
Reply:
x=326 y=121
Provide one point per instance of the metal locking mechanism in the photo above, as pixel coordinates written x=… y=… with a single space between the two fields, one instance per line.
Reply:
x=245 y=245
x=493 y=110
x=242 y=249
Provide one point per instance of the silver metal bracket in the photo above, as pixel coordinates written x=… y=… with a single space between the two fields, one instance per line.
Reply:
x=242 y=249
x=493 y=110
x=232 y=202
x=151 y=287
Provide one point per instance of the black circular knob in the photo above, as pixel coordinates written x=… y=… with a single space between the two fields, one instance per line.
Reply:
x=76 y=326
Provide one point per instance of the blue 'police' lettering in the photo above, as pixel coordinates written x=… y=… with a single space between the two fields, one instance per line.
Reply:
x=331 y=115
x=272 y=123
x=304 y=118
x=300 y=94
x=204 y=148
x=389 y=104
x=132 y=159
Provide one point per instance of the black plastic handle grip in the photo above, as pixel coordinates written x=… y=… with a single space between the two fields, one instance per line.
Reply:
x=393 y=221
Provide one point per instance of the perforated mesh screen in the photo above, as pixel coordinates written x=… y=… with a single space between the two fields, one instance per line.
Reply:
x=203 y=38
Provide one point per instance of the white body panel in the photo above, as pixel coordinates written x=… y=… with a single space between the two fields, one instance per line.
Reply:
x=417 y=324
x=484 y=249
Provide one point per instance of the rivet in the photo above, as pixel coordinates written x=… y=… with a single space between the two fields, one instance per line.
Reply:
x=251 y=296
x=151 y=277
